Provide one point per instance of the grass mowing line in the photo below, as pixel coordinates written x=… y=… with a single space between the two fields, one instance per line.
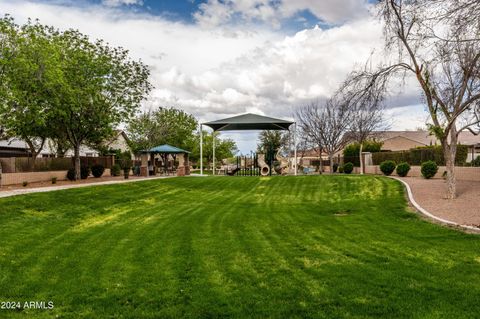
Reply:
x=306 y=246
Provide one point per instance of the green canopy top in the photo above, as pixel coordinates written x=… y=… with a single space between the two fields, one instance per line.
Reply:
x=167 y=149
x=249 y=121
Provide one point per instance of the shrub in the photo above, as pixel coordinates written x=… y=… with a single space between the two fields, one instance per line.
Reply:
x=54 y=180
x=84 y=172
x=97 y=170
x=340 y=169
x=403 y=169
x=387 y=167
x=335 y=167
x=116 y=170
x=429 y=169
x=476 y=161
x=71 y=174
x=348 y=168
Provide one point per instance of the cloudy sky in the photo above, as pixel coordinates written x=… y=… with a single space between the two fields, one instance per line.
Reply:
x=220 y=58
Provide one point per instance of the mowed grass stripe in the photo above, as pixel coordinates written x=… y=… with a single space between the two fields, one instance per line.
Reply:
x=310 y=246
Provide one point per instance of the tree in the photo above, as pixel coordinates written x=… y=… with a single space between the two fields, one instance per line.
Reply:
x=327 y=122
x=59 y=144
x=29 y=74
x=363 y=95
x=438 y=43
x=272 y=139
x=162 y=126
x=308 y=121
x=101 y=87
x=224 y=147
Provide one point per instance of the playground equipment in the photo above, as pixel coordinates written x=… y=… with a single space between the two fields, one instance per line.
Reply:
x=281 y=166
x=245 y=166
x=264 y=164
x=264 y=167
x=250 y=122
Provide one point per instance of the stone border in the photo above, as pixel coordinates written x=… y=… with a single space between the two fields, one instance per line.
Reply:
x=427 y=213
x=17 y=192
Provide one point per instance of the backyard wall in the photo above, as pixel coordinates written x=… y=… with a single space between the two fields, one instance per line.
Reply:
x=34 y=177
x=462 y=173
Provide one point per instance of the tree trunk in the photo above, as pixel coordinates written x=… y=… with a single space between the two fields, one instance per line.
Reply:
x=34 y=151
x=449 y=153
x=320 y=163
x=34 y=158
x=330 y=158
x=361 y=159
x=77 y=162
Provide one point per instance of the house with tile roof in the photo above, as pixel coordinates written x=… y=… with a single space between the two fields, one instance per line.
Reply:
x=405 y=140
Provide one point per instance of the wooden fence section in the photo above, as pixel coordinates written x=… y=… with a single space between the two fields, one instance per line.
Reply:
x=26 y=164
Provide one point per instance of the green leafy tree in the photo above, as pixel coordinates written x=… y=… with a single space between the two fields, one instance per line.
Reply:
x=224 y=148
x=101 y=87
x=271 y=139
x=162 y=126
x=29 y=79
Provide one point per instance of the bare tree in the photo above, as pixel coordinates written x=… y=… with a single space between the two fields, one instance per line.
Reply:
x=438 y=42
x=310 y=127
x=363 y=94
x=327 y=123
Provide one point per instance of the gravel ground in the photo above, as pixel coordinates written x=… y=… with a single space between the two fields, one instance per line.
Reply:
x=430 y=194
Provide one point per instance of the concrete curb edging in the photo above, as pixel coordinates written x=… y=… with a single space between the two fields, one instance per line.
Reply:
x=427 y=213
x=17 y=192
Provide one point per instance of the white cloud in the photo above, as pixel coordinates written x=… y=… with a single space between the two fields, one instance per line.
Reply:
x=280 y=75
x=117 y=3
x=215 y=12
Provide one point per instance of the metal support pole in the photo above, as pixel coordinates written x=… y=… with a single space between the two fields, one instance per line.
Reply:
x=201 y=150
x=295 y=144
x=213 y=167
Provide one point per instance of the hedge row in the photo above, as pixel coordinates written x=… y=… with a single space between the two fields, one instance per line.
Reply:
x=416 y=156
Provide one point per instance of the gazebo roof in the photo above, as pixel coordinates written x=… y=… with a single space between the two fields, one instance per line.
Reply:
x=249 y=121
x=167 y=149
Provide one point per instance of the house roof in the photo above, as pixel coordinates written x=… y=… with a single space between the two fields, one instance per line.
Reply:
x=249 y=121
x=424 y=137
x=167 y=149
x=13 y=143
x=115 y=136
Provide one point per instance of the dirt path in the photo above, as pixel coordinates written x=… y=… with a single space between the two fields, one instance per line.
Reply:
x=430 y=194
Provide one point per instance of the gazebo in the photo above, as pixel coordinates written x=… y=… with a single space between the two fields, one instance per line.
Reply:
x=246 y=122
x=164 y=151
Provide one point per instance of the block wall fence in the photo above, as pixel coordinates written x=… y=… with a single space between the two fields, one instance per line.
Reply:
x=34 y=177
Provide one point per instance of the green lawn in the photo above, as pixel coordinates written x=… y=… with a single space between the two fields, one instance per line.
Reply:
x=281 y=247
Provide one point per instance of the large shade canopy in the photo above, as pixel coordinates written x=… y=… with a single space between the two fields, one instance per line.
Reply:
x=249 y=122
x=167 y=149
